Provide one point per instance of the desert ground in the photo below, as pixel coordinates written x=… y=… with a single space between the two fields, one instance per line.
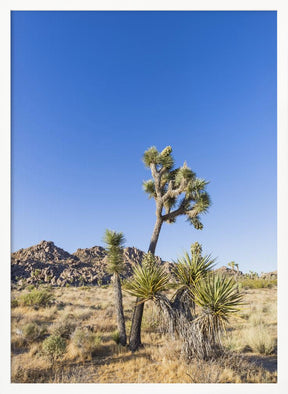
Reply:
x=83 y=321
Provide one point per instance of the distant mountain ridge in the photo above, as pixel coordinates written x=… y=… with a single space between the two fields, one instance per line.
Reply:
x=46 y=262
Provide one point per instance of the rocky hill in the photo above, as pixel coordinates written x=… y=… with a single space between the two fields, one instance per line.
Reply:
x=48 y=263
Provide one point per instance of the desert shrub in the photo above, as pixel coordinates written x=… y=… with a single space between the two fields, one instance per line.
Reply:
x=63 y=327
x=36 y=298
x=54 y=347
x=116 y=336
x=257 y=283
x=85 y=341
x=14 y=303
x=30 y=287
x=33 y=331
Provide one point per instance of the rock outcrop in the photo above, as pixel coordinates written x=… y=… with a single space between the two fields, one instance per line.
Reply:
x=269 y=275
x=47 y=263
x=228 y=272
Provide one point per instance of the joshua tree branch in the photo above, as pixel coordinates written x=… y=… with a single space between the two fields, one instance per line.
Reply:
x=176 y=192
x=157 y=179
x=174 y=214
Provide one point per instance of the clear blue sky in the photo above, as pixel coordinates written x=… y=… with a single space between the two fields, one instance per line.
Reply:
x=91 y=91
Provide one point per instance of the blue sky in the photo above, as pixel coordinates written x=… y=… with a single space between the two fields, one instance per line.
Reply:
x=91 y=91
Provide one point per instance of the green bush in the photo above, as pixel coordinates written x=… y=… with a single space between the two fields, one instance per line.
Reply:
x=36 y=298
x=54 y=347
x=257 y=283
x=33 y=331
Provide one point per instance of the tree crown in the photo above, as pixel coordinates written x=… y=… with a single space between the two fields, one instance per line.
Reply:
x=115 y=242
x=176 y=191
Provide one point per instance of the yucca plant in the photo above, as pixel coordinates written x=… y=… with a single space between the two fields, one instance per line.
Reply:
x=115 y=242
x=218 y=298
x=187 y=272
x=148 y=280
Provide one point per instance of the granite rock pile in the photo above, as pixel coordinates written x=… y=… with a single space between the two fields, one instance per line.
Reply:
x=47 y=263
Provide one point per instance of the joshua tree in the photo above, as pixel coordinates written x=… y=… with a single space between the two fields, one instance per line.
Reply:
x=115 y=242
x=237 y=268
x=232 y=265
x=176 y=192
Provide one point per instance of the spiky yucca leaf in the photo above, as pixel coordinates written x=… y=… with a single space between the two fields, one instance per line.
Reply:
x=153 y=156
x=199 y=184
x=202 y=203
x=189 y=270
x=170 y=203
x=166 y=161
x=219 y=297
x=149 y=188
x=115 y=242
x=195 y=188
x=195 y=221
x=150 y=156
x=148 y=280
x=115 y=260
x=184 y=173
x=112 y=238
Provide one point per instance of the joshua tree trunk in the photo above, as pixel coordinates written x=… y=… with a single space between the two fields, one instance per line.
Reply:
x=135 y=333
x=182 y=304
x=155 y=235
x=119 y=309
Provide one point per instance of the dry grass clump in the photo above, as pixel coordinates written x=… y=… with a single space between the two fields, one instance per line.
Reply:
x=64 y=326
x=32 y=332
x=86 y=351
x=260 y=340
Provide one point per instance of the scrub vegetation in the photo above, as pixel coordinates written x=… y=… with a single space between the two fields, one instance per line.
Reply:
x=75 y=339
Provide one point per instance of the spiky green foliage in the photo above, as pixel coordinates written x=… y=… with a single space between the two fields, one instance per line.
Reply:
x=148 y=280
x=178 y=191
x=183 y=174
x=189 y=269
x=219 y=298
x=115 y=242
x=54 y=347
x=149 y=188
x=150 y=156
x=163 y=159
